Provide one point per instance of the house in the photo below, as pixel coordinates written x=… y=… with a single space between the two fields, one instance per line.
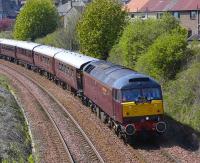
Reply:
x=186 y=11
x=71 y=9
x=8 y=9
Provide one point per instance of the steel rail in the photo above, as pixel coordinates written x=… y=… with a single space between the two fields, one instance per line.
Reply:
x=70 y=116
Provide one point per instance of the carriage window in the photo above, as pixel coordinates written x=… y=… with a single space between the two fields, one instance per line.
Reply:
x=117 y=95
x=59 y=66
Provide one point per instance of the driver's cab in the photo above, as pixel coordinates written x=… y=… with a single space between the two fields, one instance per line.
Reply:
x=140 y=96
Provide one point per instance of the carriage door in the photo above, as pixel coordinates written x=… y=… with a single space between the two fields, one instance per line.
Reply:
x=79 y=80
x=117 y=112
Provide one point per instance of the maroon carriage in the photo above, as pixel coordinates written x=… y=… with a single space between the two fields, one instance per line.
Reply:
x=8 y=48
x=44 y=59
x=24 y=52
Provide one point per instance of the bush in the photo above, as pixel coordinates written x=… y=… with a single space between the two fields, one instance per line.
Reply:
x=138 y=36
x=164 y=58
x=182 y=96
x=61 y=38
x=36 y=19
x=6 y=34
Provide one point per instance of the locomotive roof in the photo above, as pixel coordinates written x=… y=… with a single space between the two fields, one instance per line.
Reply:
x=47 y=50
x=116 y=76
x=26 y=45
x=73 y=59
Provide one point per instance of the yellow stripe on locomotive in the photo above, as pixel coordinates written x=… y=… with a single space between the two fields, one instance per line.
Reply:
x=134 y=109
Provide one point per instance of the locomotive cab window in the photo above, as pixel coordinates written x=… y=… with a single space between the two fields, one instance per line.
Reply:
x=117 y=95
x=141 y=93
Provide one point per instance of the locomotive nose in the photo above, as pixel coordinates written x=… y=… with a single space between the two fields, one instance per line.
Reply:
x=130 y=129
x=161 y=127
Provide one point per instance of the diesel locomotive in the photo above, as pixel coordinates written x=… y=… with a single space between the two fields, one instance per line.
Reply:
x=128 y=101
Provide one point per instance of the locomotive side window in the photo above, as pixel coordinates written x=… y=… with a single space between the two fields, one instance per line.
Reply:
x=117 y=95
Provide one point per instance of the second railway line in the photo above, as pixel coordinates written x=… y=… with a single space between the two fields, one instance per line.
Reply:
x=79 y=145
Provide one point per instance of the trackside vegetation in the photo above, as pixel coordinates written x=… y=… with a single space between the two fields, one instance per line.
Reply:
x=182 y=95
x=36 y=19
x=15 y=141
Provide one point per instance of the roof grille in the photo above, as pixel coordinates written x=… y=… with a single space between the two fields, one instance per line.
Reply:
x=89 y=68
x=138 y=79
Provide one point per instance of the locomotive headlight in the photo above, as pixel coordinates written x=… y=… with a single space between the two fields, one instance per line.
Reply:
x=147 y=118
x=130 y=107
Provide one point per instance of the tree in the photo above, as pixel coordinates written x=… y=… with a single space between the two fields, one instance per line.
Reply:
x=138 y=36
x=37 y=19
x=100 y=26
x=164 y=57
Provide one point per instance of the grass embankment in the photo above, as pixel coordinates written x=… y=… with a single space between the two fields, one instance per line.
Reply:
x=15 y=141
x=182 y=95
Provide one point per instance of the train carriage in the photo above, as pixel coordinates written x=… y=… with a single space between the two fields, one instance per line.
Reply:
x=68 y=68
x=131 y=101
x=24 y=52
x=8 y=49
x=44 y=59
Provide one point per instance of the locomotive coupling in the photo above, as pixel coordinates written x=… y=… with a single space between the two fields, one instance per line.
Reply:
x=161 y=127
x=130 y=129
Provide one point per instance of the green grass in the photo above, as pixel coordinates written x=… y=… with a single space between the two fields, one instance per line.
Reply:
x=14 y=153
x=182 y=96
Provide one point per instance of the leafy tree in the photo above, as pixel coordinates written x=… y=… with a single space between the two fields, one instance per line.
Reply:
x=37 y=19
x=164 y=57
x=100 y=26
x=138 y=36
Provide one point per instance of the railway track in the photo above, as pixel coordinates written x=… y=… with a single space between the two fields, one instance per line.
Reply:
x=76 y=143
x=160 y=154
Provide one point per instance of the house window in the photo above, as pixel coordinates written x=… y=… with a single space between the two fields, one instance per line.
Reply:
x=159 y=15
x=176 y=15
x=189 y=33
x=193 y=15
x=143 y=16
x=132 y=15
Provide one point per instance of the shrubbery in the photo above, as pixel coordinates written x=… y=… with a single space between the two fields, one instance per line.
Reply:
x=61 y=38
x=165 y=57
x=138 y=36
x=182 y=97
